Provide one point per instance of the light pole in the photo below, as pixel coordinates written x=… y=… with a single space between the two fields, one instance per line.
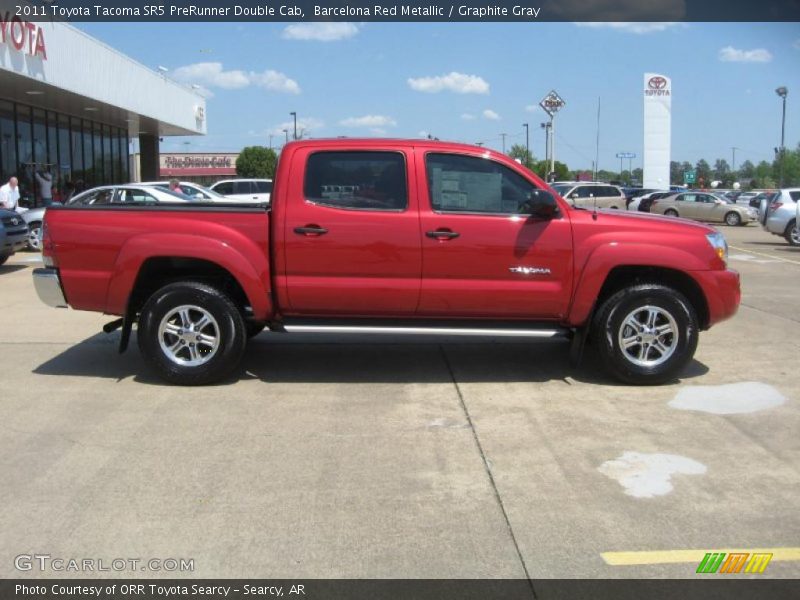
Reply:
x=286 y=133
x=294 y=115
x=527 y=143
x=503 y=135
x=733 y=161
x=782 y=92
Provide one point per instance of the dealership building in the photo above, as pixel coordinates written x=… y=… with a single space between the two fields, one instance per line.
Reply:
x=70 y=104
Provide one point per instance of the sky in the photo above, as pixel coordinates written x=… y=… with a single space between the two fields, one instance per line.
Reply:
x=470 y=82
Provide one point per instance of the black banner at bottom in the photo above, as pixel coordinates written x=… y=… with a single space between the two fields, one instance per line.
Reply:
x=402 y=589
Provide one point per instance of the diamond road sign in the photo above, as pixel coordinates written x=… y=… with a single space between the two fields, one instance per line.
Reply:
x=552 y=103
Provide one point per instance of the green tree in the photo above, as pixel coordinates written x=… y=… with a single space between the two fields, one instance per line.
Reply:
x=703 y=173
x=637 y=175
x=256 y=161
x=520 y=153
x=561 y=170
x=747 y=170
x=763 y=176
x=791 y=168
x=675 y=173
x=721 y=169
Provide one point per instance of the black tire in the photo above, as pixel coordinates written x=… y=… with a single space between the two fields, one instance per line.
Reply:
x=611 y=324
x=3 y=258
x=671 y=212
x=733 y=219
x=791 y=234
x=226 y=327
x=254 y=328
x=35 y=243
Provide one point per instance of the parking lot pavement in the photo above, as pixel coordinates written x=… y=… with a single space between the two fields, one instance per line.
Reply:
x=371 y=457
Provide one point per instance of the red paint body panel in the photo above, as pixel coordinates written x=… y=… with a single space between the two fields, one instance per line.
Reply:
x=381 y=264
x=100 y=252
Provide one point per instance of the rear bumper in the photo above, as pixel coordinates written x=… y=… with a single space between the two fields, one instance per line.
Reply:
x=48 y=287
x=723 y=293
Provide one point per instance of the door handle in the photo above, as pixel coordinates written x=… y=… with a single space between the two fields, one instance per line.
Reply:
x=310 y=230
x=442 y=234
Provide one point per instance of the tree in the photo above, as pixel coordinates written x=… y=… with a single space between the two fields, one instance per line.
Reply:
x=721 y=169
x=562 y=171
x=675 y=173
x=746 y=170
x=637 y=175
x=791 y=167
x=763 y=176
x=520 y=153
x=256 y=161
x=703 y=173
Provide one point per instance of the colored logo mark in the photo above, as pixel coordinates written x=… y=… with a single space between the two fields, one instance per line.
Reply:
x=734 y=562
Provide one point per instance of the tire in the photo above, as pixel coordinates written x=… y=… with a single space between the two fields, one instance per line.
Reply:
x=671 y=212
x=35 y=236
x=733 y=219
x=173 y=347
x=254 y=328
x=3 y=258
x=641 y=363
x=791 y=234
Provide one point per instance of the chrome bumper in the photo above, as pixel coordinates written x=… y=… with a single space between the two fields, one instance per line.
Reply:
x=48 y=286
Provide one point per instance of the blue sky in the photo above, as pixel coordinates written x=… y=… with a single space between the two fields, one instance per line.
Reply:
x=472 y=81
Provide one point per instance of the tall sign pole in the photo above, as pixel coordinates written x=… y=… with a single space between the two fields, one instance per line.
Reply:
x=657 y=96
x=551 y=104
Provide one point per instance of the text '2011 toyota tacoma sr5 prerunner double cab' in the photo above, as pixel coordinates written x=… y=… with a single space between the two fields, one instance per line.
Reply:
x=391 y=237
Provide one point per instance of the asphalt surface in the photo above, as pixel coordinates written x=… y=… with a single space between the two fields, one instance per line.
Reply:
x=372 y=457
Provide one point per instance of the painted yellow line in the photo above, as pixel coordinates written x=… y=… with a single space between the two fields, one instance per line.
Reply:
x=659 y=557
x=772 y=256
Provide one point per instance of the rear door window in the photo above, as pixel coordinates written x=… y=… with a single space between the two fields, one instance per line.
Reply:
x=224 y=188
x=243 y=187
x=263 y=187
x=357 y=180
x=795 y=196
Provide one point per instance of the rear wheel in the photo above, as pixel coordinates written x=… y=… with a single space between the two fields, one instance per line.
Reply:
x=733 y=219
x=791 y=234
x=671 y=213
x=191 y=333
x=646 y=334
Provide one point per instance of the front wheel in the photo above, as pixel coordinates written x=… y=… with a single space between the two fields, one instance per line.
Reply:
x=671 y=213
x=733 y=219
x=646 y=334
x=35 y=236
x=191 y=333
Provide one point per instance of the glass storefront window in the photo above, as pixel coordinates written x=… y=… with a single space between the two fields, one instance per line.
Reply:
x=77 y=154
x=25 y=157
x=8 y=147
x=123 y=157
x=64 y=171
x=99 y=166
x=89 y=173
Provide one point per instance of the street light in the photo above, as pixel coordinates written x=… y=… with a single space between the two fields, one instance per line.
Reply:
x=294 y=115
x=782 y=92
x=286 y=133
x=527 y=143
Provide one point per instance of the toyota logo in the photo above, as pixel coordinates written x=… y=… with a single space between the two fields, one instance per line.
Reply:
x=657 y=83
x=15 y=221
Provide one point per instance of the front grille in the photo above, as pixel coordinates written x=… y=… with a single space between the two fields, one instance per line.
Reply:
x=13 y=222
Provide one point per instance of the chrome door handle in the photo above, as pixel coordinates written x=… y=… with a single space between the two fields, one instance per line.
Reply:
x=310 y=230
x=442 y=234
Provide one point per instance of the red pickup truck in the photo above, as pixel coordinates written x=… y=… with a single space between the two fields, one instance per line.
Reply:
x=391 y=237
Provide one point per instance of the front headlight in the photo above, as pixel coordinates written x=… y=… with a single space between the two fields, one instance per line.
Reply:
x=720 y=246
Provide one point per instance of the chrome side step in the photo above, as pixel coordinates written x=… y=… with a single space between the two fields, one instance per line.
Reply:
x=473 y=331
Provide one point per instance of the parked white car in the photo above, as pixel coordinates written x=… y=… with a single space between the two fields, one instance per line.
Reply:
x=191 y=189
x=245 y=190
x=781 y=216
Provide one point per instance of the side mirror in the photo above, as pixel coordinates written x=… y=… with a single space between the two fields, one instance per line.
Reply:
x=540 y=205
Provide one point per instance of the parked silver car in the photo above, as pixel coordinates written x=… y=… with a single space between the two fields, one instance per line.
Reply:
x=779 y=217
x=34 y=218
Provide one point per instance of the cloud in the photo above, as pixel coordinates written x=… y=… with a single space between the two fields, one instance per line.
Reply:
x=275 y=81
x=491 y=115
x=731 y=54
x=320 y=31
x=304 y=126
x=468 y=117
x=369 y=121
x=636 y=28
x=452 y=82
x=211 y=74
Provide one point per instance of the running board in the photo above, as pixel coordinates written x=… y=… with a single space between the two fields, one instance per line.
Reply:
x=417 y=330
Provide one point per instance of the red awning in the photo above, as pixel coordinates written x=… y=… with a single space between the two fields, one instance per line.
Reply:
x=204 y=172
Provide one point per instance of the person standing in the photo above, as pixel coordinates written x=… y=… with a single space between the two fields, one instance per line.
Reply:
x=9 y=194
x=45 y=180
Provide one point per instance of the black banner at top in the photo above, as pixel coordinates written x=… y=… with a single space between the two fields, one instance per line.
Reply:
x=529 y=11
